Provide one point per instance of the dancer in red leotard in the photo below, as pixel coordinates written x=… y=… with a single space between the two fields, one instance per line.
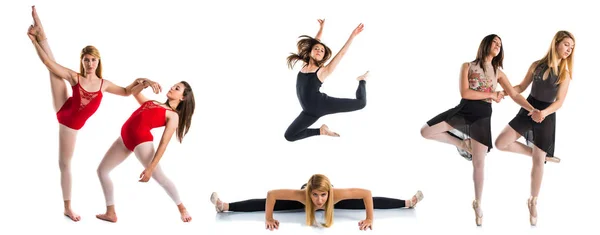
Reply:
x=176 y=116
x=73 y=112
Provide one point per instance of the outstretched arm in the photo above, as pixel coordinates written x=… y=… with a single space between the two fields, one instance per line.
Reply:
x=170 y=128
x=470 y=94
x=141 y=98
x=517 y=97
x=280 y=194
x=329 y=68
x=321 y=23
x=358 y=193
x=134 y=88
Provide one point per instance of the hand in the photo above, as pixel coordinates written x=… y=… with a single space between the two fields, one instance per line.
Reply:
x=498 y=96
x=271 y=224
x=358 y=29
x=321 y=22
x=365 y=224
x=32 y=33
x=537 y=115
x=145 y=176
x=156 y=88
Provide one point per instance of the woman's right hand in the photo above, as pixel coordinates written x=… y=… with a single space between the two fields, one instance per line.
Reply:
x=321 y=22
x=271 y=224
x=358 y=29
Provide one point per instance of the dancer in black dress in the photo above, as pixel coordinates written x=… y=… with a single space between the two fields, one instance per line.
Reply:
x=316 y=104
x=550 y=77
x=467 y=126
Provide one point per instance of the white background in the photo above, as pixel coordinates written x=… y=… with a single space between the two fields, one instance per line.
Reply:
x=233 y=54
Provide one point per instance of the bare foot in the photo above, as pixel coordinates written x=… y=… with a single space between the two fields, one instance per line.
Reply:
x=110 y=217
x=325 y=131
x=185 y=216
x=363 y=77
x=69 y=213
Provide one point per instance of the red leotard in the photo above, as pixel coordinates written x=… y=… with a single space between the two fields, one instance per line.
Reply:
x=79 y=107
x=136 y=129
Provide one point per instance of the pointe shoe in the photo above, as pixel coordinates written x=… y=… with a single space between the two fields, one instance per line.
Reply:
x=554 y=159
x=531 y=204
x=478 y=217
x=214 y=198
x=419 y=196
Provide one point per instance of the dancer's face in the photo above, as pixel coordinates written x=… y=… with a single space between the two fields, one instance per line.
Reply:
x=319 y=198
x=495 y=46
x=90 y=63
x=176 y=92
x=565 y=48
x=317 y=52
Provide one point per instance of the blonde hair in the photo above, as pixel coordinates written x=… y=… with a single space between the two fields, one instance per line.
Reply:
x=90 y=50
x=320 y=183
x=552 y=57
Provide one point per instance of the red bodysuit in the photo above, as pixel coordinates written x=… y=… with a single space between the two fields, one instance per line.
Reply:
x=79 y=107
x=136 y=129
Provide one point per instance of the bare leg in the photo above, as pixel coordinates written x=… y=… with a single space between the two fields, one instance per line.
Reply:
x=59 y=88
x=438 y=132
x=145 y=153
x=537 y=173
x=116 y=154
x=507 y=141
x=67 y=138
x=479 y=153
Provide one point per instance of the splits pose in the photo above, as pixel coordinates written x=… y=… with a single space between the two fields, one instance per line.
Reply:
x=176 y=117
x=315 y=104
x=317 y=194
x=467 y=126
x=550 y=77
x=72 y=112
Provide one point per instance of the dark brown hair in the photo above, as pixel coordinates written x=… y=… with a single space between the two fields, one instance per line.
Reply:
x=185 y=110
x=484 y=50
x=305 y=45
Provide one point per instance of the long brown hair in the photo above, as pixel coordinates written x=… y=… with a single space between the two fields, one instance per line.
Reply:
x=551 y=58
x=93 y=51
x=485 y=49
x=305 y=46
x=319 y=182
x=185 y=110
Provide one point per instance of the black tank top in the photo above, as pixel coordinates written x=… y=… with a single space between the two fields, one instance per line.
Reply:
x=307 y=89
x=544 y=90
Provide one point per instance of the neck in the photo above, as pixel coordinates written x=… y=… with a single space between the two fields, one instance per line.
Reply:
x=488 y=59
x=173 y=104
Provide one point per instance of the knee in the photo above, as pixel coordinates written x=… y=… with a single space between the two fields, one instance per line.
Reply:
x=478 y=163
x=362 y=104
x=289 y=136
x=501 y=144
x=64 y=165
